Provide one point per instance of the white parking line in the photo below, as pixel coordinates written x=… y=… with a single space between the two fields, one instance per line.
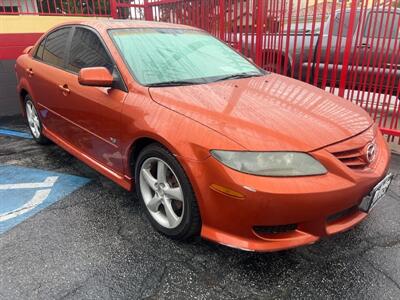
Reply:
x=37 y=199
x=47 y=183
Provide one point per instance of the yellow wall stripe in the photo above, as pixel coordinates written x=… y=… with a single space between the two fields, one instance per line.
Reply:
x=33 y=24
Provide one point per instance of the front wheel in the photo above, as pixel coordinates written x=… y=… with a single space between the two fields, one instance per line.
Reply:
x=166 y=193
x=34 y=123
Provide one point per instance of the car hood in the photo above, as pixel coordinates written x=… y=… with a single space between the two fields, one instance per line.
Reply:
x=267 y=113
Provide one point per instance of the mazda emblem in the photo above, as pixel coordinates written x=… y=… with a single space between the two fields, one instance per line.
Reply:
x=371 y=152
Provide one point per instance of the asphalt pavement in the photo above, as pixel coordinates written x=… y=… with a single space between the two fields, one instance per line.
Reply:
x=95 y=243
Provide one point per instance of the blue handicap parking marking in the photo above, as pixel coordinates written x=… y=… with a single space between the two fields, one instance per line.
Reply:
x=26 y=191
x=15 y=133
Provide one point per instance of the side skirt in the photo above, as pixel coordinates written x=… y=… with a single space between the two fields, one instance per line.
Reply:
x=123 y=181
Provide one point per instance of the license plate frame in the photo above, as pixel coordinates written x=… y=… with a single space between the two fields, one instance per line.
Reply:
x=377 y=193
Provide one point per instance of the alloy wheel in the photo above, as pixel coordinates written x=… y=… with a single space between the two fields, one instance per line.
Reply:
x=162 y=192
x=33 y=119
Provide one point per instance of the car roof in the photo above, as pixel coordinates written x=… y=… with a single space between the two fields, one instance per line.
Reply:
x=105 y=24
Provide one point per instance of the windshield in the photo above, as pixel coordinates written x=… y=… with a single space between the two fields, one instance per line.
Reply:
x=159 y=56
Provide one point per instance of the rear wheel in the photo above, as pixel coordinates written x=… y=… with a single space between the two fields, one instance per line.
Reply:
x=166 y=193
x=34 y=123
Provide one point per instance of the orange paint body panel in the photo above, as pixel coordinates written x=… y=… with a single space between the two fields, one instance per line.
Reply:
x=100 y=126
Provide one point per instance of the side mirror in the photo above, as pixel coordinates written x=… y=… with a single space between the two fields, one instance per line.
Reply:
x=96 y=76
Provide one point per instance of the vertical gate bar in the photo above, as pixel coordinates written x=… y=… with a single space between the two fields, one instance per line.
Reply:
x=196 y=12
x=329 y=45
x=148 y=11
x=48 y=6
x=221 y=19
x=62 y=7
x=185 y=13
x=81 y=6
x=19 y=8
x=303 y=39
x=281 y=33
x=371 y=77
x=311 y=53
x=270 y=15
x=69 y=8
x=343 y=75
x=259 y=37
x=356 y=54
x=253 y=32
x=338 y=47
x=41 y=6
x=235 y=17
x=75 y=6
x=192 y=9
x=241 y=26
x=28 y=10
x=319 y=44
x=246 y=43
x=364 y=60
x=295 y=37
x=264 y=33
x=366 y=63
x=228 y=28
x=287 y=41
x=203 y=16
x=179 y=14
x=94 y=7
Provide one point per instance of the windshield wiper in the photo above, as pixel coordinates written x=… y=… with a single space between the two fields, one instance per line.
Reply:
x=173 y=83
x=239 y=76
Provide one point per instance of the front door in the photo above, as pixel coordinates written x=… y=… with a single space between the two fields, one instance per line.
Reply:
x=93 y=113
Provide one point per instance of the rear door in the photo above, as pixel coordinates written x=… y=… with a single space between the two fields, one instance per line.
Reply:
x=379 y=50
x=45 y=69
x=333 y=47
x=93 y=113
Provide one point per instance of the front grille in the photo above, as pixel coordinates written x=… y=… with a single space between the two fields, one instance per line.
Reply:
x=275 y=229
x=353 y=158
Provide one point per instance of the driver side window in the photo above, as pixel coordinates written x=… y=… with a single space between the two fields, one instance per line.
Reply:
x=87 y=51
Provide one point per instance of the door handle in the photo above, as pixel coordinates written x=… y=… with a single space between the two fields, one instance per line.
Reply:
x=29 y=72
x=64 y=89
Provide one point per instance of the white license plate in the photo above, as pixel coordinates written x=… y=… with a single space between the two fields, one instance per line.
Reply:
x=377 y=193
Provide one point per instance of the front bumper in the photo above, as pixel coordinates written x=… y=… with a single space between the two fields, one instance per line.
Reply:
x=311 y=207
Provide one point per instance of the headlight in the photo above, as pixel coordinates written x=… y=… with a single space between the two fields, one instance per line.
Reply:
x=270 y=163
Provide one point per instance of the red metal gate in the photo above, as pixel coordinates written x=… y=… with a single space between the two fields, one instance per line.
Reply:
x=350 y=48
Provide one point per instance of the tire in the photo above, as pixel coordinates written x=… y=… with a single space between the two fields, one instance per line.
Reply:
x=163 y=189
x=34 y=122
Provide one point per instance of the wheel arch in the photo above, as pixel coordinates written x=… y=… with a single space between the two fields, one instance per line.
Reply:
x=24 y=90
x=139 y=144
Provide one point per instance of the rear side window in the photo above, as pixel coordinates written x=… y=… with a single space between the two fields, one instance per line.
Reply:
x=87 y=51
x=54 y=47
x=376 y=25
x=345 y=20
x=39 y=51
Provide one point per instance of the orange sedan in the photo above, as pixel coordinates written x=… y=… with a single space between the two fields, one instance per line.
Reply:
x=213 y=145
